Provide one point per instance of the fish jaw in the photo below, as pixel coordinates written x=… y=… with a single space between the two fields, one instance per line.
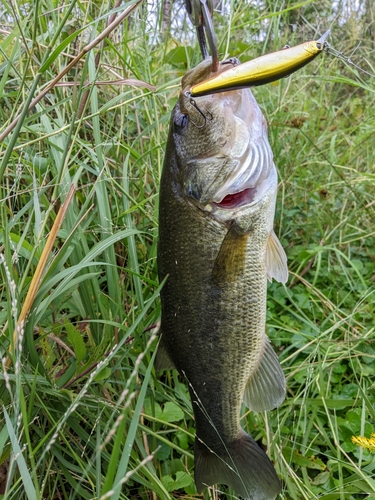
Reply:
x=243 y=204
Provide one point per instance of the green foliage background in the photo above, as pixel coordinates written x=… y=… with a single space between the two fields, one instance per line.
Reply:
x=84 y=415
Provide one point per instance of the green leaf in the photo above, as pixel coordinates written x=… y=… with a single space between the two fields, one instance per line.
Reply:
x=321 y=478
x=171 y=412
x=183 y=479
x=4 y=434
x=153 y=410
x=131 y=434
x=47 y=350
x=183 y=439
x=168 y=482
x=55 y=54
x=175 y=465
x=103 y=374
x=179 y=55
x=163 y=450
x=76 y=340
x=297 y=458
x=17 y=453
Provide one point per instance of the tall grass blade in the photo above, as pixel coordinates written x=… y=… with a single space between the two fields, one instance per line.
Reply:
x=18 y=457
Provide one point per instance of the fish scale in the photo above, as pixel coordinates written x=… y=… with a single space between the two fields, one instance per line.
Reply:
x=214 y=298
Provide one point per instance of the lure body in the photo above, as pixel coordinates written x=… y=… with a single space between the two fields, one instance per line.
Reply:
x=264 y=69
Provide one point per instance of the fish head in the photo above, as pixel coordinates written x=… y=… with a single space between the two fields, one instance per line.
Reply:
x=223 y=158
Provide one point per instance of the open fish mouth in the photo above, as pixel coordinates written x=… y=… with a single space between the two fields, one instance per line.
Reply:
x=237 y=200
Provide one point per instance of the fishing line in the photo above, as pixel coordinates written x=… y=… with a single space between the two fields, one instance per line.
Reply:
x=347 y=59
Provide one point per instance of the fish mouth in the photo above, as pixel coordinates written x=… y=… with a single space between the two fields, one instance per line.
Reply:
x=235 y=203
x=237 y=200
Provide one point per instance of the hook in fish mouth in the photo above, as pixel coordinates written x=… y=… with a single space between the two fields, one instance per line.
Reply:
x=192 y=101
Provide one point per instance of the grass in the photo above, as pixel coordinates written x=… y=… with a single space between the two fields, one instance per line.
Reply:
x=84 y=414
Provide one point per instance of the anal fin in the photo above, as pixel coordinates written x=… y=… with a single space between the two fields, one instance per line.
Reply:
x=276 y=261
x=266 y=387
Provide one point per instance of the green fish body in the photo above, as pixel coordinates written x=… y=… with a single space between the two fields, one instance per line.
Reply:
x=217 y=248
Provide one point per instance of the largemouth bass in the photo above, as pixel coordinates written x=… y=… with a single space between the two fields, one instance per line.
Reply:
x=217 y=248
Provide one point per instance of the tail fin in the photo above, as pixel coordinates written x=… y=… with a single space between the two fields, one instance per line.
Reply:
x=243 y=466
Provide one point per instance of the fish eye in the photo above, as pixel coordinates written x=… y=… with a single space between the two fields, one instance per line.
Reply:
x=319 y=46
x=180 y=121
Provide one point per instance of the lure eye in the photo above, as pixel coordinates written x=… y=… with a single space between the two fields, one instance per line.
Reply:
x=180 y=121
x=319 y=46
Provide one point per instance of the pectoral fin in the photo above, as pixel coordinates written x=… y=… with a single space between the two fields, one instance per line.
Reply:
x=163 y=360
x=276 y=261
x=266 y=387
x=230 y=261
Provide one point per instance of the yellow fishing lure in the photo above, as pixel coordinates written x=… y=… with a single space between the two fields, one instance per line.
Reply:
x=264 y=69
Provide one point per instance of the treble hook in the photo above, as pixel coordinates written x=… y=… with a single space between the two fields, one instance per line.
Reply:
x=195 y=105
